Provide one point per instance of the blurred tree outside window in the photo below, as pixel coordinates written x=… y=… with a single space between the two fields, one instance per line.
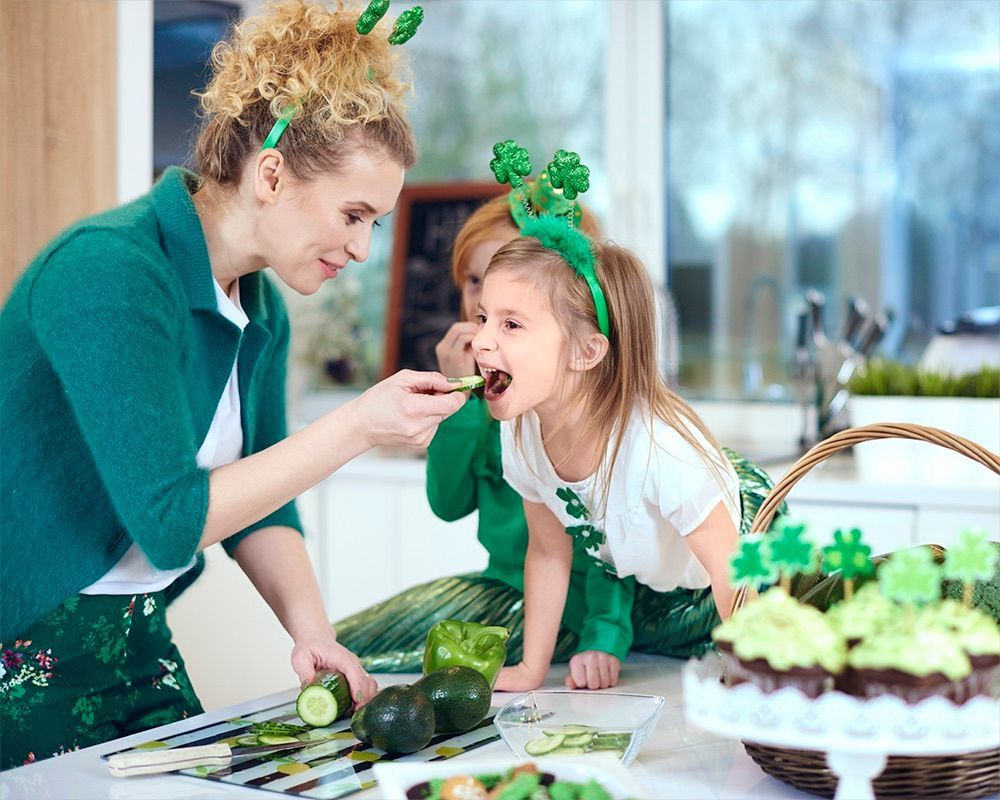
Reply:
x=842 y=145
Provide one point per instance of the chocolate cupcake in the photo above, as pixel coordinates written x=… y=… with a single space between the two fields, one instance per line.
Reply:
x=913 y=662
x=978 y=635
x=776 y=642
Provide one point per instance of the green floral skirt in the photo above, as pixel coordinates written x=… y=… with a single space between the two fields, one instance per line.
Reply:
x=389 y=637
x=96 y=668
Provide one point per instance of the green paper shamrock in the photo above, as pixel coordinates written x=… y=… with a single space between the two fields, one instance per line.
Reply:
x=750 y=565
x=567 y=173
x=847 y=554
x=406 y=25
x=511 y=163
x=972 y=558
x=574 y=505
x=910 y=576
x=790 y=553
x=370 y=16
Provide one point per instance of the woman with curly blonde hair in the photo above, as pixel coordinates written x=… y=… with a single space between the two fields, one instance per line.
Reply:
x=143 y=386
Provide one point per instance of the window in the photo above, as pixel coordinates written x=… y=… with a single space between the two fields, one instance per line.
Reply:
x=850 y=147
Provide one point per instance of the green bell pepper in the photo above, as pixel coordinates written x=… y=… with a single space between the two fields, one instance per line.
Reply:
x=468 y=644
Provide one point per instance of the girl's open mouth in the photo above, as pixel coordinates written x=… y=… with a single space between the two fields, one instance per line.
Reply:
x=497 y=382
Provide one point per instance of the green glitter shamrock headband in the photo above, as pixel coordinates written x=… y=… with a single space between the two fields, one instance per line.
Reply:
x=540 y=213
x=402 y=31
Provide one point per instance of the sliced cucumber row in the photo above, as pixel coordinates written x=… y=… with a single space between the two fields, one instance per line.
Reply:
x=577 y=740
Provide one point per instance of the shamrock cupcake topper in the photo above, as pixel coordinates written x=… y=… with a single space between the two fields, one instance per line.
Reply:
x=790 y=553
x=848 y=555
x=972 y=558
x=910 y=577
x=751 y=565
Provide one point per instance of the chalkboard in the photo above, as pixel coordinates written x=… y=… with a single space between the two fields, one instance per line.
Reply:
x=423 y=301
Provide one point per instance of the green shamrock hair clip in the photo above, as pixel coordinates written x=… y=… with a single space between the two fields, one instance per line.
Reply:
x=510 y=164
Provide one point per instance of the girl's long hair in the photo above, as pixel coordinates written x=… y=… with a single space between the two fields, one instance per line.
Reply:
x=628 y=378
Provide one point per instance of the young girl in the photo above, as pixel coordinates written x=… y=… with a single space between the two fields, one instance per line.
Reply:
x=464 y=475
x=143 y=386
x=611 y=464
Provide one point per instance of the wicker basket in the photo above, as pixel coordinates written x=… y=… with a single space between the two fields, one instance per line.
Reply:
x=967 y=775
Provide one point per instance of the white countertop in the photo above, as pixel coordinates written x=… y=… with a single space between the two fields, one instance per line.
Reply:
x=678 y=760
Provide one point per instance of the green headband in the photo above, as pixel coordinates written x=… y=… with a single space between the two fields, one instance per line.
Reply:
x=402 y=31
x=551 y=217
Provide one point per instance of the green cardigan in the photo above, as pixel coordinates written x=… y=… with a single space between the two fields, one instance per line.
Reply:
x=114 y=358
x=464 y=472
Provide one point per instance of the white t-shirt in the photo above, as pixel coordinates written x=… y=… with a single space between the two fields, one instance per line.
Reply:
x=660 y=491
x=133 y=574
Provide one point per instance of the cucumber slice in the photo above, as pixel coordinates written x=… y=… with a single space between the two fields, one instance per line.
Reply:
x=247 y=741
x=578 y=739
x=272 y=738
x=570 y=728
x=538 y=747
x=325 y=700
x=469 y=382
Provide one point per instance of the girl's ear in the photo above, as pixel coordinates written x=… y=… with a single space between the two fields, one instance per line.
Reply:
x=591 y=352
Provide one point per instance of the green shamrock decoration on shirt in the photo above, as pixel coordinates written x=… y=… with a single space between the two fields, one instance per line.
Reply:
x=511 y=163
x=972 y=558
x=574 y=505
x=848 y=555
x=750 y=565
x=790 y=553
x=406 y=25
x=567 y=173
x=910 y=576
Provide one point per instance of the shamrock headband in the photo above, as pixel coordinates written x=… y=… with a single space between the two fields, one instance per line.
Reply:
x=550 y=217
x=402 y=31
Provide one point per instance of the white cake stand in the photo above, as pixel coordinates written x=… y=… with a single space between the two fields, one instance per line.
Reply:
x=857 y=735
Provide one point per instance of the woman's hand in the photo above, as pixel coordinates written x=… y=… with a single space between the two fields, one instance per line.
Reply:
x=520 y=678
x=405 y=409
x=454 y=351
x=324 y=652
x=593 y=669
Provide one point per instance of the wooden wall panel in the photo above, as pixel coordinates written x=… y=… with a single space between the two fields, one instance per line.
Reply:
x=58 y=108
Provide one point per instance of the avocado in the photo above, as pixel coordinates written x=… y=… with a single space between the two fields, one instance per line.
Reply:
x=399 y=719
x=461 y=697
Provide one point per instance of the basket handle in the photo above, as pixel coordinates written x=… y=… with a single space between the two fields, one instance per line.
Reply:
x=848 y=438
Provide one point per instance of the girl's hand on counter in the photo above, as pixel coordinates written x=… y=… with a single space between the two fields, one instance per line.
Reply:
x=309 y=656
x=405 y=409
x=593 y=669
x=520 y=678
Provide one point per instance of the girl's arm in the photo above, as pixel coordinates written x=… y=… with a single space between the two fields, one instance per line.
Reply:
x=713 y=543
x=546 y=579
x=451 y=483
x=277 y=564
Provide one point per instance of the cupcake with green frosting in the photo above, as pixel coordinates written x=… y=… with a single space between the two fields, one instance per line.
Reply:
x=978 y=635
x=912 y=662
x=864 y=615
x=775 y=642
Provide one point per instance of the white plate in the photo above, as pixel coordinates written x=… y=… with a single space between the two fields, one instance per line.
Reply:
x=395 y=779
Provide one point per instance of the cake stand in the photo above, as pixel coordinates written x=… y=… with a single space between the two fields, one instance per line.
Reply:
x=857 y=735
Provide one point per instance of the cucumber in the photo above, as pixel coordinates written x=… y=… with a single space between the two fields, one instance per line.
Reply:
x=538 y=747
x=570 y=728
x=469 y=382
x=271 y=738
x=325 y=700
x=578 y=739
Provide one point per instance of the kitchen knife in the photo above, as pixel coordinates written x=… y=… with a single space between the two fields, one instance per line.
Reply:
x=219 y=754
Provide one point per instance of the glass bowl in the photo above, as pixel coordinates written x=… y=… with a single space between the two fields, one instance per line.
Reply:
x=577 y=723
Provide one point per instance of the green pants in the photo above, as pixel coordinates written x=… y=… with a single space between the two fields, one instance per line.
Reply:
x=390 y=636
x=96 y=668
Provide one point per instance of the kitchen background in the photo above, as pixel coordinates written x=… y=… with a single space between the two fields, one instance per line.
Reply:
x=757 y=154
